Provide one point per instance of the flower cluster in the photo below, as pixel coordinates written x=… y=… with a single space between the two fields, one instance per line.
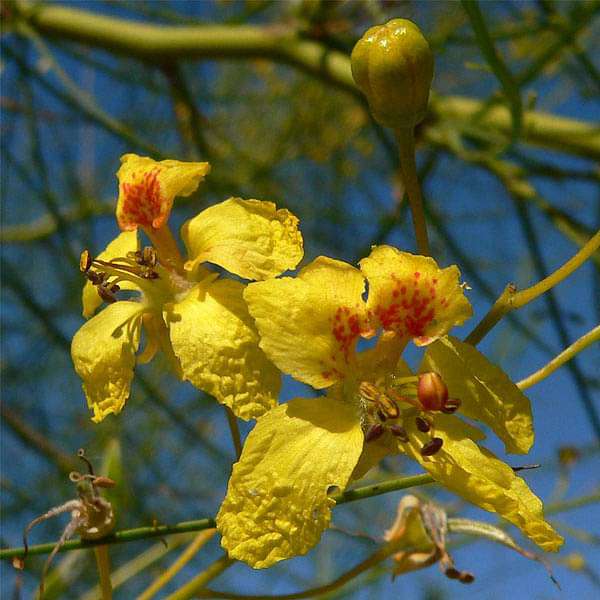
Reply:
x=339 y=328
x=198 y=319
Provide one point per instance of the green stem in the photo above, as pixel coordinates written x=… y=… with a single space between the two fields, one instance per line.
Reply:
x=510 y=299
x=406 y=145
x=567 y=354
x=159 y=43
x=141 y=533
x=103 y=564
x=185 y=557
x=374 y=559
x=193 y=587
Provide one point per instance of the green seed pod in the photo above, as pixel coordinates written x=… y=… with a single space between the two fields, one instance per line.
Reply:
x=392 y=65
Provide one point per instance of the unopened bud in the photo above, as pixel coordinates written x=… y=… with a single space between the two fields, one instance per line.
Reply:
x=432 y=391
x=392 y=65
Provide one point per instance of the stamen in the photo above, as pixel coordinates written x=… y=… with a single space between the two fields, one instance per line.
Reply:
x=374 y=432
x=399 y=432
x=423 y=425
x=432 y=447
x=451 y=406
x=85 y=261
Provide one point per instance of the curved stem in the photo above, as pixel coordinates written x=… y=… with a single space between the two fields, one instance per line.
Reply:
x=378 y=556
x=406 y=145
x=510 y=299
x=235 y=432
x=181 y=561
x=567 y=354
x=193 y=587
x=103 y=564
x=141 y=533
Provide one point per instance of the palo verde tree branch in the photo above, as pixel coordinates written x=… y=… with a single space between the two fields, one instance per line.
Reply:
x=158 y=44
x=141 y=533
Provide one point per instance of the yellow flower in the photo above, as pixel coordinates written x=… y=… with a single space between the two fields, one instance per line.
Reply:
x=277 y=504
x=199 y=321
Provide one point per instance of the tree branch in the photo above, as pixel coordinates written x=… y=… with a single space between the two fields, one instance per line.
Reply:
x=159 y=43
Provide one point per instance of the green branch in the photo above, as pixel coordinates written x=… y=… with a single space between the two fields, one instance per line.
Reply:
x=158 y=44
x=142 y=533
x=494 y=60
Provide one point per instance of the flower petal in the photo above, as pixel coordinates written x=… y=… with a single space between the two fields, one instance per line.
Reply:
x=309 y=324
x=103 y=353
x=479 y=477
x=277 y=504
x=216 y=342
x=412 y=296
x=250 y=238
x=147 y=189
x=485 y=391
x=126 y=241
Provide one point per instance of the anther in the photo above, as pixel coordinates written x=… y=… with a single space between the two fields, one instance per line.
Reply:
x=452 y=573
x=466 y=577
x=432 y=447
x=382 y=416
x=423 y=425
x=399 y=432
x=451 y=406
x=374 y=432
x=85 y=261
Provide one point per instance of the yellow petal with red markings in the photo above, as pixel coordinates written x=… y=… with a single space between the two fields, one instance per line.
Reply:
x=148 y=187
x=412 y=296
x=309 y=324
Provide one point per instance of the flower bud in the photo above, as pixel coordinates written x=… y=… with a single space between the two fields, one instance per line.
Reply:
x=432 y=391
x=392 y=65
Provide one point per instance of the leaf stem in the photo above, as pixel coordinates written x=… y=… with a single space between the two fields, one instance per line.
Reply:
x=185 y=557
x=192 y=587
x=567 y=354
x=103 y=564
x=510 y=299
x=141 y=533
x=406 y=145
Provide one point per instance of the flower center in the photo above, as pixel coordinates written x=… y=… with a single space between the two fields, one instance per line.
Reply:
x=387 y=409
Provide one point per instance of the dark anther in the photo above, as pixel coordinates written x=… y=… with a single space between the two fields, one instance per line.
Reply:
x=85 y=261
x=382 y=416
x=149 y=258
x=432 y=447
x=466 y=577
x=452 y=573
x=399 y=432
x=451 y=406
x=96 y=277
x=423 y=425
x=106 y=294
x=149 y=274
x=374 y=432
